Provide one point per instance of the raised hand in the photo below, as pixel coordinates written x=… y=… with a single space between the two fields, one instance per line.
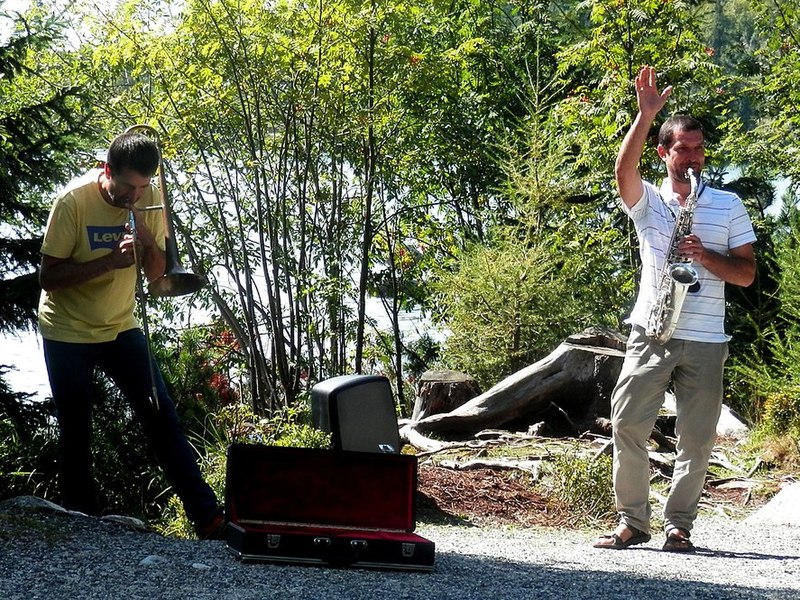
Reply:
x=647 y=94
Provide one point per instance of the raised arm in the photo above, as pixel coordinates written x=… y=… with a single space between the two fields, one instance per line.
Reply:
x=626 y=169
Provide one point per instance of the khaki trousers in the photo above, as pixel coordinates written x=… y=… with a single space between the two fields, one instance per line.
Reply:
x=695 y=369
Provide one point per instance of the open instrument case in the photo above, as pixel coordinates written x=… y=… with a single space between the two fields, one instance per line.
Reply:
x=324 y=507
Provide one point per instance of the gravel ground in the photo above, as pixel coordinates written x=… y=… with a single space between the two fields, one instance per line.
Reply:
x=47 y=554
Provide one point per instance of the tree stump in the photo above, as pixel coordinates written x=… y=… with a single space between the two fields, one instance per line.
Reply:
x=572 y=384
x=443 y=391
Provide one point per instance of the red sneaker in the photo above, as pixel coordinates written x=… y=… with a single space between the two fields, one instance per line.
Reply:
x=213 y=530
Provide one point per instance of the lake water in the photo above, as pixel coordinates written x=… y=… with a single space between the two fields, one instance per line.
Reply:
x=22 y=351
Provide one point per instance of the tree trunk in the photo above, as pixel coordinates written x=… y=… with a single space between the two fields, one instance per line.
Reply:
x=441 y=392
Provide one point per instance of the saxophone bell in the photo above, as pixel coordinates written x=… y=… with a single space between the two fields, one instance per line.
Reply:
x=684 y=274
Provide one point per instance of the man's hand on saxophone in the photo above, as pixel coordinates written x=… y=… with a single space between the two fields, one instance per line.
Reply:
x=691 y=248
x=738 y=267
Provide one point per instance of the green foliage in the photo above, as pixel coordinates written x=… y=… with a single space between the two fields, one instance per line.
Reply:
x=768 y=373
x=237 y=423
x=584 y=484
x=550 y=272
x=502 y=308
x=599 y=66
x=27 y=445
x=782 y=413
x=41 y=113
x=771 y=87
x=199 y=367
x=421 y=354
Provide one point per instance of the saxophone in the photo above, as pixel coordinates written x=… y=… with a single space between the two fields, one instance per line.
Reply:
x=677 y=274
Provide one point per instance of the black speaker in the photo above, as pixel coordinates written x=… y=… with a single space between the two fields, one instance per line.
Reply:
x=358 y=411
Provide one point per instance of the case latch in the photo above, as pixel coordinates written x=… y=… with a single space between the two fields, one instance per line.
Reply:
x=407 y=549
x=273 y=540
x=359 y=544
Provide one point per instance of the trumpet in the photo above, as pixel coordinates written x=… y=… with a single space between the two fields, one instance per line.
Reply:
x=176 y=281
x=142 y=309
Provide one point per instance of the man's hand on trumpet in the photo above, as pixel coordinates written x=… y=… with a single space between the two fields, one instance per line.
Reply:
x=139 y=230
x=143 y=243
x=125 y=254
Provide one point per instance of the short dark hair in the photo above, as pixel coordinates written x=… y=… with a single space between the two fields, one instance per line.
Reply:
x=133 y=151
x=666 y=134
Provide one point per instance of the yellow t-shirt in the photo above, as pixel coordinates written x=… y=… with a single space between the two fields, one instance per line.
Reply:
x=83 y=226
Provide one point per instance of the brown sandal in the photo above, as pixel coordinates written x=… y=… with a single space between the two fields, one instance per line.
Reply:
x=617 y=543
x=678 y=541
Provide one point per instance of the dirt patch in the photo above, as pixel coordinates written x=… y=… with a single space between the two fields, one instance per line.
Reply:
x=484 y=497
x=737 y=502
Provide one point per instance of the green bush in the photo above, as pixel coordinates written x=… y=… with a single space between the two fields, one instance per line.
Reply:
x=237 y=423
x=584 y=484
x=500 y=308
x=782 y=413
x=28 y=439
x=129 y=480
x=196 y=368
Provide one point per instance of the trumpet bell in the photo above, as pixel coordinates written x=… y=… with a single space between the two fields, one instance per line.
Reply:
x=178 y=282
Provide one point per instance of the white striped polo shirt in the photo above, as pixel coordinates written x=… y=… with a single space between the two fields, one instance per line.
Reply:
x=721 y=222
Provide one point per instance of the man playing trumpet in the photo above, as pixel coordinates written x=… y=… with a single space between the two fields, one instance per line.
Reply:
x=692 y=359
x=91 y=255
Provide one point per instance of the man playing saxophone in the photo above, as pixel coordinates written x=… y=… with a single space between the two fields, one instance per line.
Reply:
x=720 y=249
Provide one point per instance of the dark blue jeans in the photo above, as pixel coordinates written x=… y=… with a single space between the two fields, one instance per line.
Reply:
x=71 y=368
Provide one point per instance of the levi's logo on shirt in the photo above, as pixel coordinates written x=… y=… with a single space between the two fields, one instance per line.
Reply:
x=104 y=237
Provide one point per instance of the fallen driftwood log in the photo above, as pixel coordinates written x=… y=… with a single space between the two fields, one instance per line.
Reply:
x=483 y=439
x=574 y=383
x=566 y=393
x=409 y=435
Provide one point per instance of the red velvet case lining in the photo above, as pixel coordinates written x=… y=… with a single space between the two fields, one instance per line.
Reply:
x=293 y=487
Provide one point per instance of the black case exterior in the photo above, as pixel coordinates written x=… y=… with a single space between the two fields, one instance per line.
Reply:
x=358 y=411
x=346 y=548
x=323 y=507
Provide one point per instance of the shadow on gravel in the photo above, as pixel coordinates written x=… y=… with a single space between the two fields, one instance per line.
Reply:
x=459 y=577
x=744 y=555
x=711 y=553
x=513 y=580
